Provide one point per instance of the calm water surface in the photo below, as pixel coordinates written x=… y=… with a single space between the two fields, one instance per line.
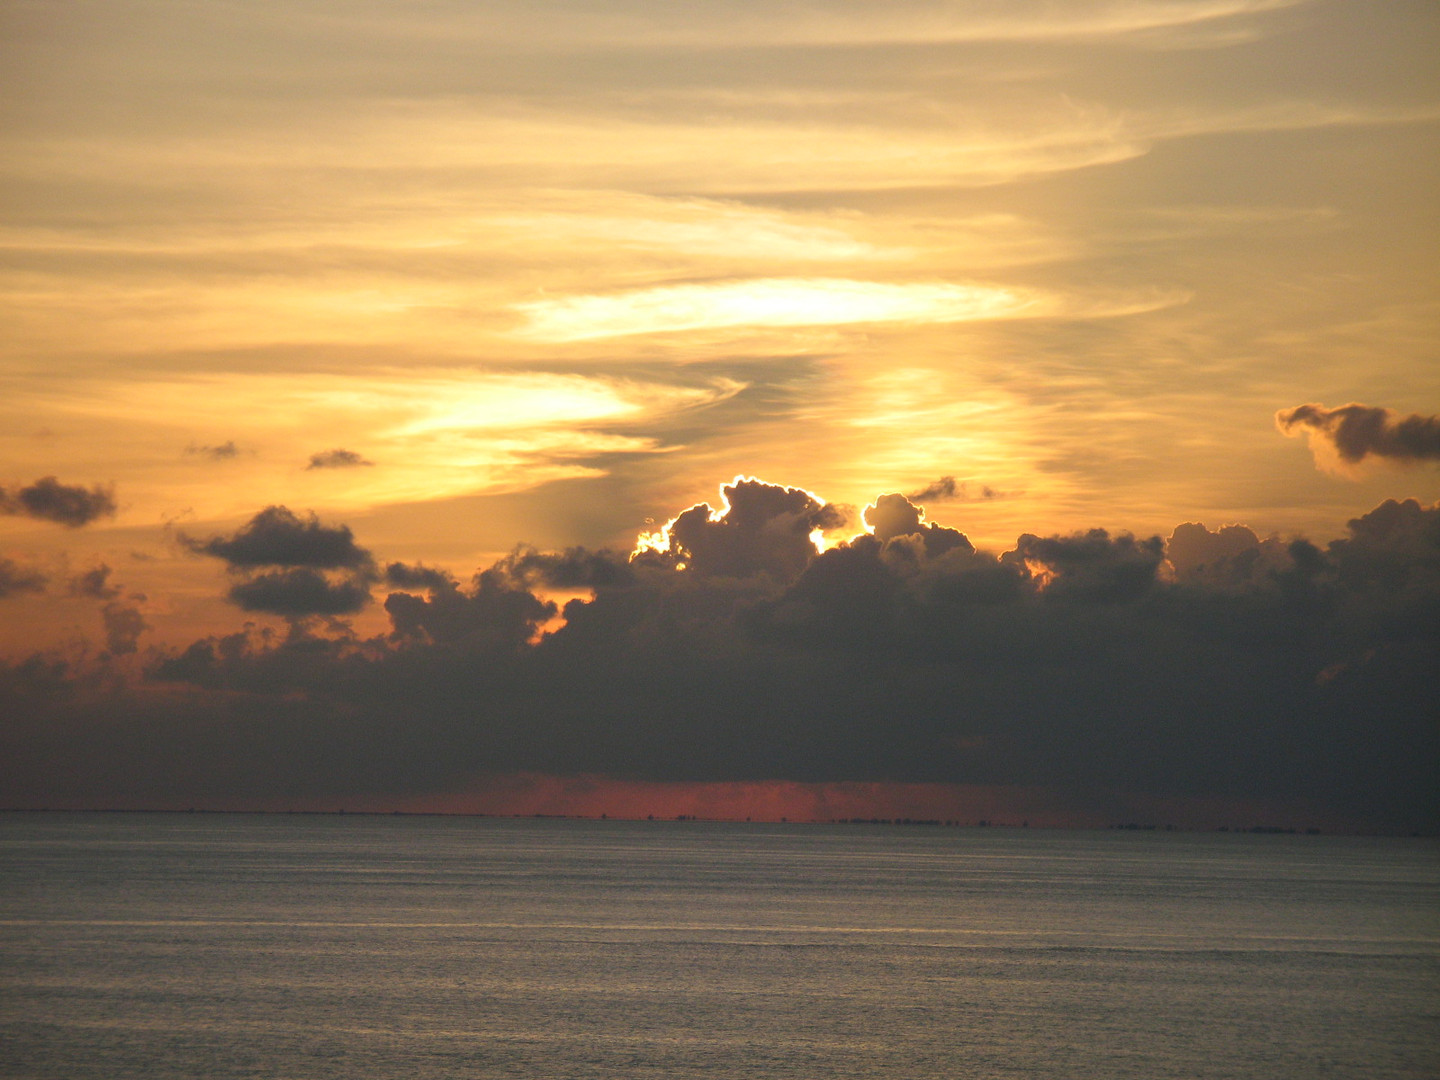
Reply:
x=370 y=948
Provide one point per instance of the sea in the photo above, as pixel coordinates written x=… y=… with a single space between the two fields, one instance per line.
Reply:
x=361 y=947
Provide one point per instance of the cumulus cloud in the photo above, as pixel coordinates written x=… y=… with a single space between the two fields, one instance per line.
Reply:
x=1093 y=566
x=65 y=504
x=276 y=536
x=760 y=528
x=894 y=517
x=299 y=592
x=494 y=612
x=1094 y=666
x=403 y=576
x=299 y=550
x=16 y=579
x=337 y=459
x=1354 y=432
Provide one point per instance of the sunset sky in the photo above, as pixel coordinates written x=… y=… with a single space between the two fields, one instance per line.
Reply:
x=450 y=282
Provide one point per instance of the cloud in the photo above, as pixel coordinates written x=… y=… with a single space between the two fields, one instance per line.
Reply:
x=301 y=592
x=276 y=536
x=16 y=579
x=1354 y=432
x=223 y=452
x=49 y=500
x=760 y=527
x=337 y=459
x=771 y=302
x=947 y=490
x=894 y=517
x=404 y=576
x=94 y=583
x=1098 y=668
x=495 y=614
x=123 y=626
x=1091 y=566
x=300 y=549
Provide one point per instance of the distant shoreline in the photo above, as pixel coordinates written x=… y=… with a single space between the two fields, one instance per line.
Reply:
x=1248 y=830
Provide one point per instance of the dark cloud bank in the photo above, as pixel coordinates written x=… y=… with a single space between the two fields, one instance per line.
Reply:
x=1218 y=668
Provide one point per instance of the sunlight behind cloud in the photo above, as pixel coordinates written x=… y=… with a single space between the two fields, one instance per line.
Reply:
x=770 y=302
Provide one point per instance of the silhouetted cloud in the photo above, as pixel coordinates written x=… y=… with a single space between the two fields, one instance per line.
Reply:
x=222 y=452
x=16 y=579
x=403 y=576
x=763 y=528
x=300 y=592
x=300 y=549
x=276 y=536
x=894 y=517
x=495 y=613
x=65 y=504
x=95 y=583
x=1357 y=431
x=1093 y=566
x=123 y=626
x=337 y=459
x=1095 y=666
x=946 y=489
x=573 y=568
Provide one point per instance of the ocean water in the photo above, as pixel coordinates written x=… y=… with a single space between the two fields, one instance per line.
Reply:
x=372 y=948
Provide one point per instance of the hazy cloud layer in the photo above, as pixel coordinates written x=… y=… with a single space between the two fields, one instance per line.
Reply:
x=16 y=579
x=1218 y=665
x=1355 y=432
x=95 y=583
x=49 y=500
x=124 y=624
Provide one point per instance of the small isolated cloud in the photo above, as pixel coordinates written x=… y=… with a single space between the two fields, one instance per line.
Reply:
x=276 y=536
x=95 y=584
x=16 y=579
x=1347 y=435
x=49 y=500
x=292 y=552
x=946 y=489
x=337 y=459
x=223 y=452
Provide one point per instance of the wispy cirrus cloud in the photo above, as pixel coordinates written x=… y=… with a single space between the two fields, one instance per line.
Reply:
x=771 y=302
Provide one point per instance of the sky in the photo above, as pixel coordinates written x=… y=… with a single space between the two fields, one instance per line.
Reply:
x=1060 y=382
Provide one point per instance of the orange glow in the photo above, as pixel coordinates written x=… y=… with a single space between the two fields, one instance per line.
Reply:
x=529 y=794
x=1042 y=574
x=594 y=796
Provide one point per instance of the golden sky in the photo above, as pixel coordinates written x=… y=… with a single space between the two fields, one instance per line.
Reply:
x=463 y=275
x=1077 y=253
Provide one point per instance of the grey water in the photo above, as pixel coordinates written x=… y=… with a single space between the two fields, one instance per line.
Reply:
x=372 y=948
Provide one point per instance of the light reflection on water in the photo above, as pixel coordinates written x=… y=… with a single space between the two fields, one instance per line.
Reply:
x=378 y=947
